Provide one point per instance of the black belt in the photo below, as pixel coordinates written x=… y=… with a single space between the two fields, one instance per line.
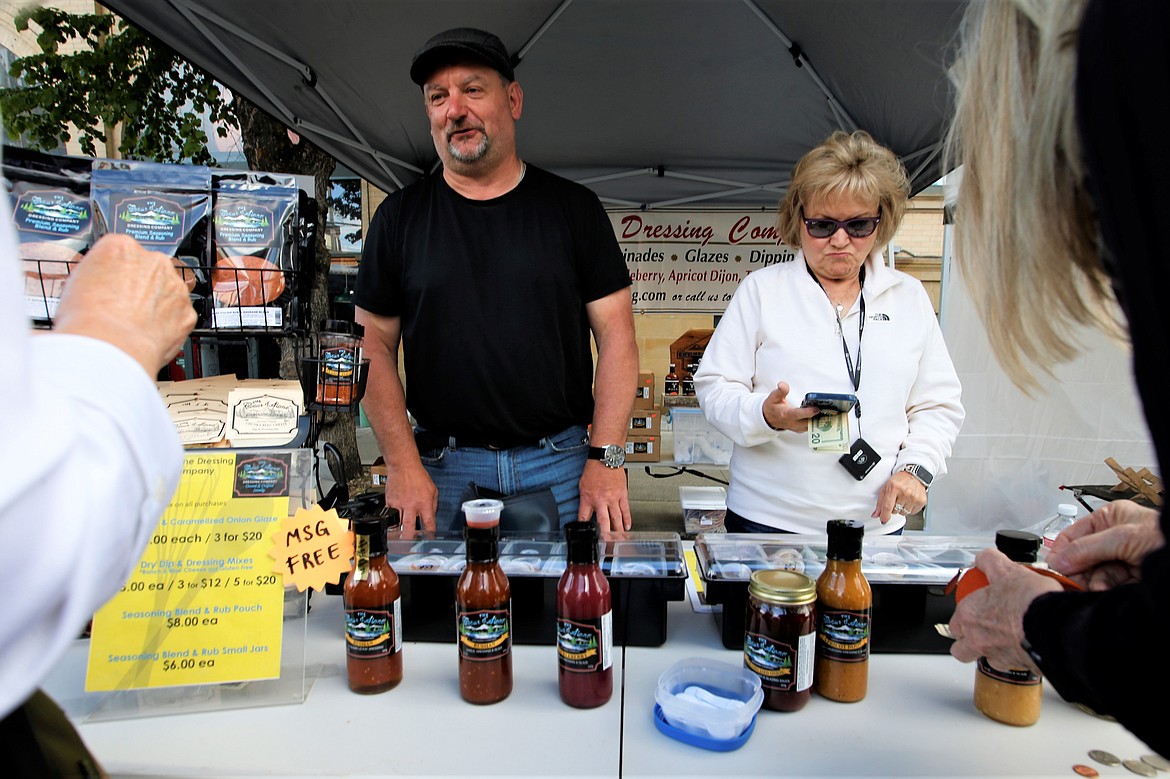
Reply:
x=428 y=440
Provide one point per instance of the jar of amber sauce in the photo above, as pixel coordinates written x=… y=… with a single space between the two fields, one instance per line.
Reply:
x=779 y=641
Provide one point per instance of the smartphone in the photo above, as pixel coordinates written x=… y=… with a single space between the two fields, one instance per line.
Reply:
x=835 y=401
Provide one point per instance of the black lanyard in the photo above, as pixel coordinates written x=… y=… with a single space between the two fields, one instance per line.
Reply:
x=854 y=373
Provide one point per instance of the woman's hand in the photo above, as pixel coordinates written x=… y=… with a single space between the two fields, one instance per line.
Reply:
x=902 y=494
x=779 y=414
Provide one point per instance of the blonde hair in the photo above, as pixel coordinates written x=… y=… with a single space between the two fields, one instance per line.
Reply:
x=846 y=165
x=1025 y=234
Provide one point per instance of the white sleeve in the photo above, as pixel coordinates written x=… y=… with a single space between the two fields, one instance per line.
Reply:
x=89 y=460
x=725 y=381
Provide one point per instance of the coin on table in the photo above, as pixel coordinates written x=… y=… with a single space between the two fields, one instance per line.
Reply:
x=1140 y=768
x=1086 y=770
x=1092 y=713
x=1157 y=761
x=1103 y=757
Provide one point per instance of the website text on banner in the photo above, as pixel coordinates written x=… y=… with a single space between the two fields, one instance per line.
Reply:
x=692 y=261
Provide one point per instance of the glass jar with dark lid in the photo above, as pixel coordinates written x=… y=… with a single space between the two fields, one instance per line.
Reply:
x=780 y=636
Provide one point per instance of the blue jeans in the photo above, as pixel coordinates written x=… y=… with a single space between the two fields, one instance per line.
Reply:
x=557 y=463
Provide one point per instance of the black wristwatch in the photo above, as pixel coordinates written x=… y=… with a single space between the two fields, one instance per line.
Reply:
x=611 y=456
x=920 y=473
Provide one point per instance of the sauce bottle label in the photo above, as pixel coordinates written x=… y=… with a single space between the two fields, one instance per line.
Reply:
x=843 y=635
x=779 y=665
x=373 y=632
x=1020 y=676
x=337 y=364
x=585 y=645
x=484 y=634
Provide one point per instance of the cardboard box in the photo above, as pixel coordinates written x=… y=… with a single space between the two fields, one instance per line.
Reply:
x=644 y=449
x=704 y=509
x=687 y=349
x=695 y=441
x=645 y=421
x=378 y=473
x=644 y=394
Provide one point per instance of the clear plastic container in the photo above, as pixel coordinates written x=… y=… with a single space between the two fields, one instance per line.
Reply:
x=709 y=698
x=483 y=512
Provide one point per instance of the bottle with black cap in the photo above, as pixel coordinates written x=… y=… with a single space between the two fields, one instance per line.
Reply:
x=1012 y=696
x=483 y=620
x=844 y=610
x=373 y=612
x=584 y=622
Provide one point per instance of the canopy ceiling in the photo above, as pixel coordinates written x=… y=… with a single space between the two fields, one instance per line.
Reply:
x=652 y=103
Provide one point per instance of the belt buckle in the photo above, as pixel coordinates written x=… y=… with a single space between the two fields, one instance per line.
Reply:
x=494 y=448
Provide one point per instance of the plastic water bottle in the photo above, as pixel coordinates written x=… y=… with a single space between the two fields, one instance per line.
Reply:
x=1066 y=514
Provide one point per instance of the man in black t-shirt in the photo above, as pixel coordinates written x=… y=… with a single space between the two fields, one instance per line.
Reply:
x=493 y=275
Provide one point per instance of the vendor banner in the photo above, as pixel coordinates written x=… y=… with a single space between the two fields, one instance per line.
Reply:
x=692 y=261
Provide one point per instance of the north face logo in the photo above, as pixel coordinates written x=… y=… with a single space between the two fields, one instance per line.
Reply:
x=880 y=318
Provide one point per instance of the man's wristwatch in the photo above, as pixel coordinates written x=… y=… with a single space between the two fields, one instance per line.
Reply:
x=920 y=473
x=611 y=456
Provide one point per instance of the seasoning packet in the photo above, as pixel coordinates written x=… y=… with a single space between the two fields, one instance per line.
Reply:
x=256 y=259
x=51 y=214
x=166 y=207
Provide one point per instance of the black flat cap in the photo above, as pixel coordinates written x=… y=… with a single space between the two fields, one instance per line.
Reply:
x=456 y=45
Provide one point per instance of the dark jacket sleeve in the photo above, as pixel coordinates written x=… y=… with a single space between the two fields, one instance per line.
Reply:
x=1106 y=650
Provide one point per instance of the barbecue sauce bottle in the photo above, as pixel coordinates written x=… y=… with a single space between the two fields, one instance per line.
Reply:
x=584 y=622
x=670 y=385
x=483 y=620
x=373 y=612
x=844 y=608
x=1012 y=696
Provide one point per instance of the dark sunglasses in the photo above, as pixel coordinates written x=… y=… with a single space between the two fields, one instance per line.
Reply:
x=854 y=228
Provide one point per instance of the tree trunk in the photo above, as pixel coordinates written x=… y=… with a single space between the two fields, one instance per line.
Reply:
x=269 y=146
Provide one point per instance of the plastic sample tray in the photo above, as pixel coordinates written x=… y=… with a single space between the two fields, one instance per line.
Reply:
x=645 y=570
x=907 y=575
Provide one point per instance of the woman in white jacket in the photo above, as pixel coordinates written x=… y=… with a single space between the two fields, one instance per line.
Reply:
x=836 y=319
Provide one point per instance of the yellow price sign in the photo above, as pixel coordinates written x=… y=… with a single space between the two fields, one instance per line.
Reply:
x=204 y=605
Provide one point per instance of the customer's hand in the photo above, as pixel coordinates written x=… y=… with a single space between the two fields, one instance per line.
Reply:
x=129 y=297
x=779 y=414
x=990 y=621
x=1106 y=548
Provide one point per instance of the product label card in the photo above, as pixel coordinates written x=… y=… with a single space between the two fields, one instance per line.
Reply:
x=267 y=417
x=204 y=605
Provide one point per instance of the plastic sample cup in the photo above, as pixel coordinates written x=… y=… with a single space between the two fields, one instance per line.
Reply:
x=484 y=512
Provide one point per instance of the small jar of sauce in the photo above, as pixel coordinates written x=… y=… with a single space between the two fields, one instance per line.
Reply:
x=340 y=362
x=779 y=642
x=1011 y=695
